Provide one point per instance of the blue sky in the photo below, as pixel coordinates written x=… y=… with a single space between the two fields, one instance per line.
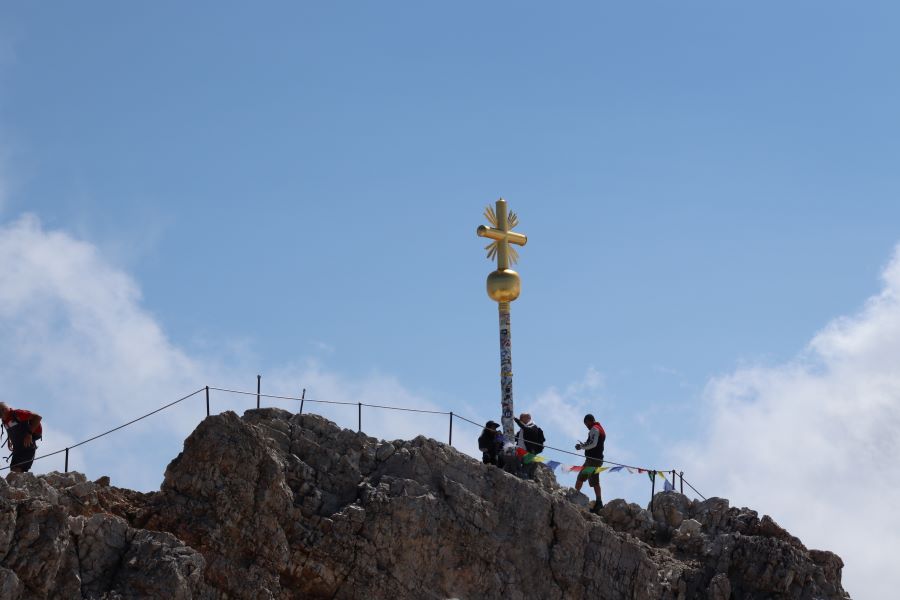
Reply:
x=708 y=189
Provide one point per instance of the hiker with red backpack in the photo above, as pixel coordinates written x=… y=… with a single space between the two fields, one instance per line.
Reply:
x=593 y=458
x=23 y=429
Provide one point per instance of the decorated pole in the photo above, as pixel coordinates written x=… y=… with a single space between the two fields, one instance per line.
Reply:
x=504 y=286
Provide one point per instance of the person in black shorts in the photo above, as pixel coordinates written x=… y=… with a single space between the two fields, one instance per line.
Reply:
x=23 y=428
x=593 y=458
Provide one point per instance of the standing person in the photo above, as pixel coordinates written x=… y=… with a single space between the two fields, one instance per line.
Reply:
x=530 y=440
x=593 y=457
x=490 y=442
x=23 y=428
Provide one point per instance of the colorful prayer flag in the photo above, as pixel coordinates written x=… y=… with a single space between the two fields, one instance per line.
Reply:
x=553 y=465
x=668 y=487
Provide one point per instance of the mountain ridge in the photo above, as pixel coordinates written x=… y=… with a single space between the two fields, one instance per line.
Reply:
x=278 y=505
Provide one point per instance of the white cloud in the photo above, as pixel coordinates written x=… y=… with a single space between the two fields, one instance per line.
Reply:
x=815 y=442
x=564 y=410
x=77 y=346
x=74 y=323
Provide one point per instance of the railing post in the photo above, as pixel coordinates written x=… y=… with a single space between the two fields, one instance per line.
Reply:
x=302 y=399
x=207 y=401
x=450 y=443
x=673 y=480
x=67 y=460
x=652 y=488
x=682 y=482
x=258 y=380
x=359 y=418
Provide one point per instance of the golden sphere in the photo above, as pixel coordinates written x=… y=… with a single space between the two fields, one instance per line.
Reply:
x=504 y=286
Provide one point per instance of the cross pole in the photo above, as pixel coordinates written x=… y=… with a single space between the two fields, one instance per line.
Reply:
x=504 y=286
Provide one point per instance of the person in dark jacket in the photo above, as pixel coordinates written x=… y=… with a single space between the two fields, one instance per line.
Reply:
x=529 y=440
x=490 y=442
x=593 y=458
x=23 y=428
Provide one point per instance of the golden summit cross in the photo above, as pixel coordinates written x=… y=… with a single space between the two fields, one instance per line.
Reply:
x=502 y=222
x=504 y=286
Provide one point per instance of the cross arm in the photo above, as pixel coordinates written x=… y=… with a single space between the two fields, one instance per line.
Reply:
x=498 y=234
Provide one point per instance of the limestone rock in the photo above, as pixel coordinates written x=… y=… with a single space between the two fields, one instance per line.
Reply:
x=719 y=587
x=276 y=505
x=56 y=541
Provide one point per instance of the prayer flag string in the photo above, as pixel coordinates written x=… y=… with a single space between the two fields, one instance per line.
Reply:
x=554 y=465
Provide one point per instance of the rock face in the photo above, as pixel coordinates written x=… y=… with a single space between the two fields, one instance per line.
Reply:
x=60 y=537
x=275 y=505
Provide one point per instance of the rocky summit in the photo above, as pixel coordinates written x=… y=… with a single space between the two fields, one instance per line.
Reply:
x=277 y=505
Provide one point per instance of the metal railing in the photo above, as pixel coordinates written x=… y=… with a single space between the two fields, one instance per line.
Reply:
x=302 y=400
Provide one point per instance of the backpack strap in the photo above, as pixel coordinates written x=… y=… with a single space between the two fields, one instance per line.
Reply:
x=4 y=430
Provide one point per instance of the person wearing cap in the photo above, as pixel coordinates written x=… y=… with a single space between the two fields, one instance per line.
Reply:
x=490 y=442
x=529 y=440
